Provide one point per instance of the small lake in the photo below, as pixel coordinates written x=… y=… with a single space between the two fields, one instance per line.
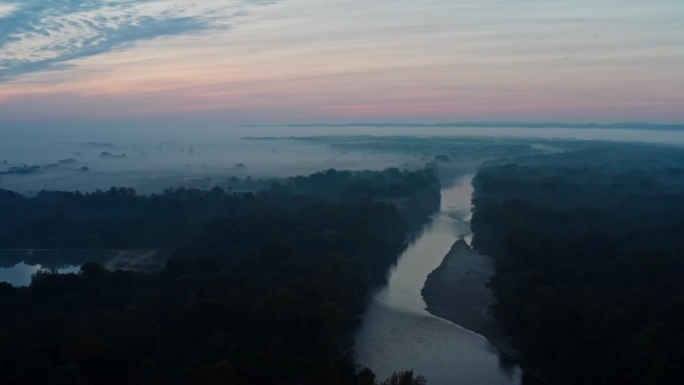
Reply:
x=18 y=265
x=397 y=332
x=20 y=274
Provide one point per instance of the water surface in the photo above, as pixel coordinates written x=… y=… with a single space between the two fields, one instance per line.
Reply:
x=20 y=274
x=399 y=334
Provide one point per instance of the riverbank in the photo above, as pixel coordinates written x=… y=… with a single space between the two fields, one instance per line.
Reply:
x=397 y=331
x=457 y=291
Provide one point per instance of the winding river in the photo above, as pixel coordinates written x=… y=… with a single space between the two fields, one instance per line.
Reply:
x=397 y=332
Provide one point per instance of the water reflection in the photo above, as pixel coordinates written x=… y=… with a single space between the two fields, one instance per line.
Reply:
x=20 y=274
x=398 y=333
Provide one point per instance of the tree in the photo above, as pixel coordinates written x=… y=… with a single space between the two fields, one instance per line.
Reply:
x=404 y=378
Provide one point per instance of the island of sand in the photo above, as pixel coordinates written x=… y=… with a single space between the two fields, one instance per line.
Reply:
x=457 y=291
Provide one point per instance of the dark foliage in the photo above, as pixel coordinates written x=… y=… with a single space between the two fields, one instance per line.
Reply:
x=120 y=218
x=261 y=289
x=590 y=275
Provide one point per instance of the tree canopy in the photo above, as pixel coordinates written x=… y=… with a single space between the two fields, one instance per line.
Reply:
x=260 y=288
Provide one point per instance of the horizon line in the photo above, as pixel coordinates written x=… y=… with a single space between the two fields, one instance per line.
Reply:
x=487 y=124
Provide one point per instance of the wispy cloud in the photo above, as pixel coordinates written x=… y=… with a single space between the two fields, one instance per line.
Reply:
x=47 y=34
x=237 y=60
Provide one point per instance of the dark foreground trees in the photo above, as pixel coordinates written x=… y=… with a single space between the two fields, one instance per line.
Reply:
x=261 y=288
x=590 y=275
x=404 y=378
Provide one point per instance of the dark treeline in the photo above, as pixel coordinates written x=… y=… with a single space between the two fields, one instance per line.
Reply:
x=120 y=218
x=590 y=261
x=262 y=288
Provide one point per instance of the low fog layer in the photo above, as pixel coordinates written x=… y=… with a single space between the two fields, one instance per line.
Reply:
x=151 y=164
x=152 y=160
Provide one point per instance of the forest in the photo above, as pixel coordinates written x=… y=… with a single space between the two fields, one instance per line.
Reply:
x=590 y=261
x=261 y=287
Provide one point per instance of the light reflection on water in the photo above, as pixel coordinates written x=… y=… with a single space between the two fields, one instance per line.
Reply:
x=20 y=274
x=399 y=334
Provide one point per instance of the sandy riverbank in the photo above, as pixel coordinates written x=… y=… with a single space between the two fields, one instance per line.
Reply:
x=457 y=291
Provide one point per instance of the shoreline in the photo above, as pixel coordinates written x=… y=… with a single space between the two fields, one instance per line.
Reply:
x=457 y=291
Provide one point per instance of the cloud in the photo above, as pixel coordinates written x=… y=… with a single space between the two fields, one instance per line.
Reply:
x=38 y=35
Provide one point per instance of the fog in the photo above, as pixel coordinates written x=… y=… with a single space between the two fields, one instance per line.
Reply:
x=389 y=227
x=150 y=160
x=86 y=161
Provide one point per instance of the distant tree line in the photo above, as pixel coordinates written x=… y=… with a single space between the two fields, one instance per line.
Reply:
x=121 y=218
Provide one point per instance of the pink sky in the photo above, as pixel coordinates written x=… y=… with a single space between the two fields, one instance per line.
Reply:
x=346 y=60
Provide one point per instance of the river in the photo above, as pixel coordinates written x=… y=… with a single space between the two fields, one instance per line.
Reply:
x=397 y=333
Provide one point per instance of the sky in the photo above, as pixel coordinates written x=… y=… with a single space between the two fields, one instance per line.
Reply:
x=300 y=61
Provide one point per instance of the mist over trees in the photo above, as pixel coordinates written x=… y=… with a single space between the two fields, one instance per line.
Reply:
x=267 y=278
